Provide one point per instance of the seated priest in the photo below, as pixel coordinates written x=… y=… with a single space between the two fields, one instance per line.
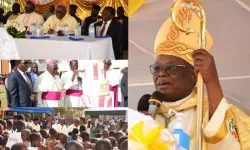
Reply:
x=30 y=16
x=55 y=23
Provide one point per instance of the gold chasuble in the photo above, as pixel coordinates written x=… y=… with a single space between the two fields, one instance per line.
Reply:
x=229 y=127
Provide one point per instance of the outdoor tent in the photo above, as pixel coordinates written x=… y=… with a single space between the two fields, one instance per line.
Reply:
x=30 y=109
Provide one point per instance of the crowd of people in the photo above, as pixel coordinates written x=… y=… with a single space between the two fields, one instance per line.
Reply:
x=54 y=21
x=50 y=88
x=24 y=133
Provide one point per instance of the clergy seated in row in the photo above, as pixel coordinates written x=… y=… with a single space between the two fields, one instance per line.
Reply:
x=15 y=11
x=30 y=16
x=55 y=23
x=91 y=19
x=174 y=72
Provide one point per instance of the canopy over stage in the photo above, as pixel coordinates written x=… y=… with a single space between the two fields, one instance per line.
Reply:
x=84 y=6
x=30 y=109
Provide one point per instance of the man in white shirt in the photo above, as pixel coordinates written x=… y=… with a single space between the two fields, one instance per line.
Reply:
x=30 y=16
x=27 y=119
x=35 y=124
x=72 y=83
x=124 y=128
x=48 y=87
x=105 y=133
x=16 y=136
x=60 y=127
x=74 y=125
x=106 y=125
x=113 y=78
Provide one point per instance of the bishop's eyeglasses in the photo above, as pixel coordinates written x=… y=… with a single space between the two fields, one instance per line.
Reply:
x=169 y=69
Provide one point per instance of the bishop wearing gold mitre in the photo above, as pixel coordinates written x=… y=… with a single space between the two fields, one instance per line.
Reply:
x=177 y=63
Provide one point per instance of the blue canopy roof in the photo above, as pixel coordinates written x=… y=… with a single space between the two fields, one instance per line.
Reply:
x=32 y=109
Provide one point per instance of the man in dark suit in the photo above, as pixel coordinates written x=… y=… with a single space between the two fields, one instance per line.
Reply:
x=124 y=86
x=20 y=86
x=111 y=28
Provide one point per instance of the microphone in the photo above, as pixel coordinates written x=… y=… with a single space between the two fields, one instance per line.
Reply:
x=143 y=104
x=155 y=102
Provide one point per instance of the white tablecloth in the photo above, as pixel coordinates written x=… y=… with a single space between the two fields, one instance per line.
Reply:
x=58 y=48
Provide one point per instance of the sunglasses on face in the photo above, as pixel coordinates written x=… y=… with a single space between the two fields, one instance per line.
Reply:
x=169 y=69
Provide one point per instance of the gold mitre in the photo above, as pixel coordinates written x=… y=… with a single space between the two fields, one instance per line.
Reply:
x=171 y=41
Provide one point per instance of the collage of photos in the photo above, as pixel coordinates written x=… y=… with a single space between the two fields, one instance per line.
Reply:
x=124 y=75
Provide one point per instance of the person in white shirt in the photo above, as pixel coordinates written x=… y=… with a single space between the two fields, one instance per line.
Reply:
x=106 y=125
x=27 y=119
x=124 y=128
x=48 y=87
x=72 y=83
x=36 y=124
x=113 y=78
x=20 y=126
x=105 y=133
x=111 y=121
x=30 y=16
x=60 y=127
x=89 y=126
x=74 y=125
